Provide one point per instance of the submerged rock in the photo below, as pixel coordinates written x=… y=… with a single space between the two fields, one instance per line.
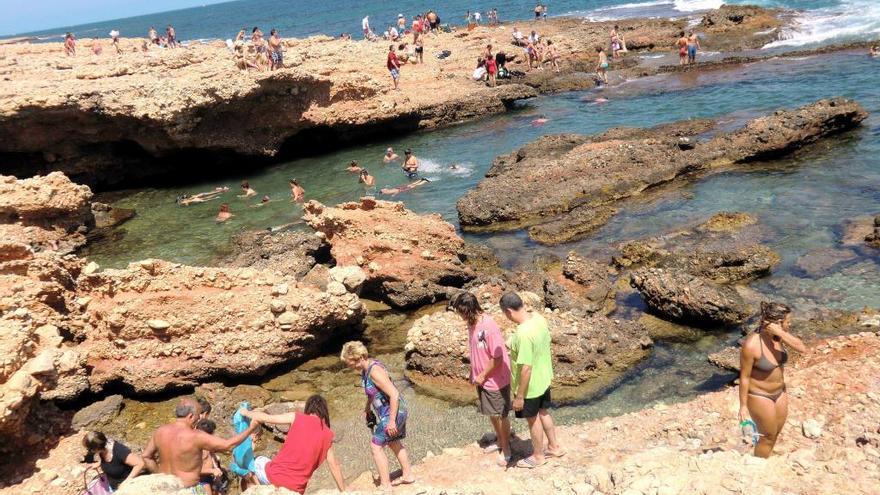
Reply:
x=581 y=175
x=409 y=259
x=688 y=298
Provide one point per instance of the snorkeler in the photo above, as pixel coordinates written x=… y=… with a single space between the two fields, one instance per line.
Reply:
x=390 y=155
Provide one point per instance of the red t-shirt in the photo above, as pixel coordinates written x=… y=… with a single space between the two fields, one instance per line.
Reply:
x=303 y=452
x=392 y=61
x=417 y=26
x=491 y=66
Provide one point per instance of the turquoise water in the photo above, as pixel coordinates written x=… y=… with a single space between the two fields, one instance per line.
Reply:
x=803 y=201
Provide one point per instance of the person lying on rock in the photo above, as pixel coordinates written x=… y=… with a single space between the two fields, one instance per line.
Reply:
x=385 y=410
x=309 y=442
x=176 y=448
x=490 y=370
x=762 y=394
x=117 y=462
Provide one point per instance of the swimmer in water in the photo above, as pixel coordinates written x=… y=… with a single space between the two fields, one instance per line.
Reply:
x=410 y=164
x=246 y=190
x=539 y=121
x=367 y=179
x=390 y=155
x=353 y=167
x=600 y=100
x=394 y=191
x=875 y=51
x=262 y=202
x=187 y=199
x=297 y=193
x=224 y=214
x=453 y=167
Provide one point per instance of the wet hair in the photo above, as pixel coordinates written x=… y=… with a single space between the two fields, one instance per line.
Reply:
x=317 y=405
x=681 y=33
x=245 y=185
x=265 y=199
x=407 y=152
x=511 y=301
x=207 y=426
x=294 y=182
x=772 y=312
x=204 y=405
x=224 y=208
x=364 y=172
x=185 y=409
x=467 y=305
x=354 y=350
x=94 y=441
x=354 y=163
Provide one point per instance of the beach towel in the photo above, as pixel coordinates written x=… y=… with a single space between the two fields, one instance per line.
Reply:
x=242 y=455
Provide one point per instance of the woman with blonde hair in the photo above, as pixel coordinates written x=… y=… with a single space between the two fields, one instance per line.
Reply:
x=762 y=395
x=385 y=411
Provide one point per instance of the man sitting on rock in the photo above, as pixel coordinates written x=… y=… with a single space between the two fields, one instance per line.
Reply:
x=179 y=445
x=532 y=369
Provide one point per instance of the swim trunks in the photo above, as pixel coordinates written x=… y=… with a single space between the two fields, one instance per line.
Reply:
x=277 y=57
x=604 y=65
x=395 y=74
x=260 y=469
x=199 y=490
x=692 y=51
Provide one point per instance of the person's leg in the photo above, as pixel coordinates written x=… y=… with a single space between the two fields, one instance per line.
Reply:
x=537 y=432
x=549 y=428
x=502 y=435
x=381 y=464
x=763 y=413
x=781 y=414
x=403 y=458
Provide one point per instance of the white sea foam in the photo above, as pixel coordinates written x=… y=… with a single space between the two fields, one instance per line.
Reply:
x=695 y=5
x=428 y=166
x=851 y=20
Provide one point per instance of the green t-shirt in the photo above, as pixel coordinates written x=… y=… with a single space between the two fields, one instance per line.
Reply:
x=530 y=345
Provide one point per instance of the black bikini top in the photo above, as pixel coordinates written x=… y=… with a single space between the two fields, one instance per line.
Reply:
x=764 y=364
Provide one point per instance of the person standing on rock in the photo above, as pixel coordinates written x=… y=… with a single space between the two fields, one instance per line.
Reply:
x=308 y=444
x=762 y=394
x=532 y=364
x=275 y=52
x=171 y=37
x=178 y=445
x=393 y=66
x=682 y=44
x=693 y=46
x=153 y=35
x=116 y=461
x=602 y=64
x=490 y=369
x=385 y=411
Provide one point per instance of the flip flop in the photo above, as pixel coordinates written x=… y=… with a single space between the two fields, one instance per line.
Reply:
x=491 y=448
x=401 y=481
x=550 y=453
x=527 y=463
x=503 y=460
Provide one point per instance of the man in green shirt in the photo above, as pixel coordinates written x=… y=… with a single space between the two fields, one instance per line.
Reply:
x=532 y=369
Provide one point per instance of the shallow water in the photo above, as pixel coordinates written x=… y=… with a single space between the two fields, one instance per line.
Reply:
x=802 y=202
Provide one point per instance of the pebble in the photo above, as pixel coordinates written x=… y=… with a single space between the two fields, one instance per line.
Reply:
x=158 y=325
x=812 y=428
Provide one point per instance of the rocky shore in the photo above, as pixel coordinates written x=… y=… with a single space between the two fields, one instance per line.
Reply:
x=112 y=120
x=567 y=184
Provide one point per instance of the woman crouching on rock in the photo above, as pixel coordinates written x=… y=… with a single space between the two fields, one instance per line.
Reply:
x=762 y=394
x=388 y=415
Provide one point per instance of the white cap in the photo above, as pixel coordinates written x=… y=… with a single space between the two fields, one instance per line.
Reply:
x=399 y=15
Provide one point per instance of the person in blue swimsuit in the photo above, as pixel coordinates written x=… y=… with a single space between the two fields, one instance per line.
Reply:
x=385 y=411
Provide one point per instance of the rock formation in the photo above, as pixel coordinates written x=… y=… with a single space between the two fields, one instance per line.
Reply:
x=589 y=352
x=579 y=179
x=291 y=253
x=409 y=259
x=111 y=120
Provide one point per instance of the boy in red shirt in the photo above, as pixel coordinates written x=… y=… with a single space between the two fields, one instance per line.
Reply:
x=393 y=65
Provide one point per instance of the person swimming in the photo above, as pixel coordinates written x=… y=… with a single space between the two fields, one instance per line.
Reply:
x=262 y=202
x=224 y=214
x=366 y=179
x=246 y=190
x=539 y=121
x=390 y=155
x=410 y=164
x=353 y=167
x=186 y=199
x=297 y=193
x=394 y=191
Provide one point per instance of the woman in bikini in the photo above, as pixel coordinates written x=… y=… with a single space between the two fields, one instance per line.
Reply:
x=385 y=410
x=762 y=394
x=682 y=44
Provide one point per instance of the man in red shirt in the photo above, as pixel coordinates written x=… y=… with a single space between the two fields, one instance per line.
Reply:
x=417 y=27
x=393 y=66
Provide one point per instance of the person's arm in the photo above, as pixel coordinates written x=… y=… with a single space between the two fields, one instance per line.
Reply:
x=525 y=375
x=335 y=469
x=275 y=419
x=481 y=378
x=149 y=456
x=137 y=465
x=383 y=382
x=211 y=443
x=788 y=339
x=746 y=360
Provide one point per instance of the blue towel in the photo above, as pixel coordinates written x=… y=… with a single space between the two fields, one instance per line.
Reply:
x=243 y=454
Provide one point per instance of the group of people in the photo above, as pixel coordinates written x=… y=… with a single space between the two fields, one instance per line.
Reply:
x=687 y=48
x=257 y=53
x=167 y=41
x=537 y=50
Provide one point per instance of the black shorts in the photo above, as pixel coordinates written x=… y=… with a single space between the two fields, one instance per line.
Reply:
x=532 y=406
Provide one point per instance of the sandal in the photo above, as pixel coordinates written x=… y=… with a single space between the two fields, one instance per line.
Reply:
x=527 y=463
x=401 y=481
x=491 y=448
x=551 y=454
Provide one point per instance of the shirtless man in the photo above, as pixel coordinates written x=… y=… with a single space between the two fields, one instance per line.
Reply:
x=682 y=45
x=353 y=167
x=224 y=214
x=367 y=179
x=246 y=190
x=692 y=46
x=390 y=155
x=410 y=164
x=172 y=37
x=179 y=445
x=275 y=53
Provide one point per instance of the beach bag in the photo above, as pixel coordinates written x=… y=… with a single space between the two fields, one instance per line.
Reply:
x=97 y=486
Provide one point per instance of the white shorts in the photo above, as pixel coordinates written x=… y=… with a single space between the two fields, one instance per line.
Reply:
x=260 y=469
